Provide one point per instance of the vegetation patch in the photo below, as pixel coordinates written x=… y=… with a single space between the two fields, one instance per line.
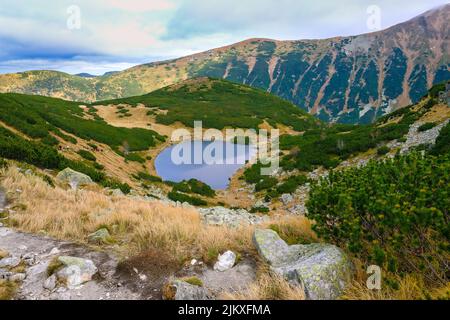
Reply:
x=181 y=197
x=195 y=187
x=427 y=126
x=392 y=213
x=87 y=155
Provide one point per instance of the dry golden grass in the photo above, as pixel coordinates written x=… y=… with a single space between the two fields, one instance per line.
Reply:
x=135 y=225
x=268 y=286
x=7 y=290
x=410 y=287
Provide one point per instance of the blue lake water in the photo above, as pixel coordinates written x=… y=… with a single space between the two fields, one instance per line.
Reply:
x=213 y=163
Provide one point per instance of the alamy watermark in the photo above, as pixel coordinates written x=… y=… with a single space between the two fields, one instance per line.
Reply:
x=74 y=17
x=374 y=19
x=264 y=143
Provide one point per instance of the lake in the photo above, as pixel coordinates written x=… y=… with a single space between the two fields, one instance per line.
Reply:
x=213 y=163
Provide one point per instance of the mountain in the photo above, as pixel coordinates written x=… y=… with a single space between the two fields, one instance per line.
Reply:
x=85 y=75
x=344 y=79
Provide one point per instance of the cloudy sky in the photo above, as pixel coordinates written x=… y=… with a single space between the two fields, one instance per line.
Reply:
x=96 y=36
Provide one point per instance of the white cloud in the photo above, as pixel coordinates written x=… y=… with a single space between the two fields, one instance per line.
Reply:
x=140 y=5
x=144 y=30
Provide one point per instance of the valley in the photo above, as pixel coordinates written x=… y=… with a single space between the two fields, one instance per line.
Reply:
x=344 y=79
x=95 y=205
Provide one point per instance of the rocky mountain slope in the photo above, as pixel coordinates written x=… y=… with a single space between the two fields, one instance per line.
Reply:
x=347 y=79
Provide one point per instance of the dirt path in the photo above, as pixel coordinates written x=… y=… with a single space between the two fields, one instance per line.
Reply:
x=39 y=251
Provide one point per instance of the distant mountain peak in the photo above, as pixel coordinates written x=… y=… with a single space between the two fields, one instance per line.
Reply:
x=342 y=79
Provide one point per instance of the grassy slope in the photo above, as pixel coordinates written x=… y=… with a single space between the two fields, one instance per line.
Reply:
x=220 y=104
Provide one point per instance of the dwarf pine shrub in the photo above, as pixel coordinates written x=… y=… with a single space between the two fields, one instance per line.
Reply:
x=393 y=213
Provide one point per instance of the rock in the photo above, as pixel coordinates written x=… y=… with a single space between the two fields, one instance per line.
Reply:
x=101 y=236
x=1 y=224
x=5 y=274
x=50 y=283
x=117 y=193
x=73 y=178
x=416 y=138
x=225 y=262
x=2 y=198
x=10 y=262
x=76 y=271
x=54 y=251
x=183 y=291
x=193 y=262
x=143 y=277
x=322 y=270
x=18 y=277
x=220 y=216
x=286 y=199
x=29 y=259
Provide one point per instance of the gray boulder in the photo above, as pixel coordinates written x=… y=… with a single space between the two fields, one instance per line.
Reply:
x=322 y=270
x=76 y=271
x=101 y=236
x=117 y=193
x=10 y=262
x=50 y=283
x=182 y=291
x=73 y=178
x=286 y=199
x=225 y=262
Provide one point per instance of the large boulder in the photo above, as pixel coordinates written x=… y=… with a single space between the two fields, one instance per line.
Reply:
x=225 y=261
x=75 y=271
x=182 y=291
x=10 y=262
x=322 y=270
x=220 y=216
x=73 y=178
x=101 y=236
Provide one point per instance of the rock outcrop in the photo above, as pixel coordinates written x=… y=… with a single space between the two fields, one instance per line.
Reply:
x=220 y=216
x=322 y=270
x=75 y=271
x=225 y=262
x=73 y=178
x=182 y=291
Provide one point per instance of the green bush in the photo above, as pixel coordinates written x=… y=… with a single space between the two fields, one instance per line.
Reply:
x=392 y=213
x=266 y=183
x=147 y=177
x=263 y=210
x=87 y=155
x=196 y=187
x=291 y=184
x=134 y=157
x=442 y=145
x=427 y=126
x=180 y=197
x=384 y=150
x=3 y=163
x=50 y=140
x=98 y=166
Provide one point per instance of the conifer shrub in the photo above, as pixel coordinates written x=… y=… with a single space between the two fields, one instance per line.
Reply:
x=393 y=213
x=87 y=155
x=180 y=197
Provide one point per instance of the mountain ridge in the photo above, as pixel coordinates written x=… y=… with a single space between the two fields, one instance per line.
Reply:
x=341 y=79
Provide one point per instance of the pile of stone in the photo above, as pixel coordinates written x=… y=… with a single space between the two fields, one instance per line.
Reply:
x=220 y=216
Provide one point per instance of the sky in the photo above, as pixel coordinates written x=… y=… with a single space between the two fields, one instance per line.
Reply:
x=97 y=36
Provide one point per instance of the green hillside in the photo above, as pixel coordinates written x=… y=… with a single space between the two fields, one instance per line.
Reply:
x=38 y=117
x=220 y=104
